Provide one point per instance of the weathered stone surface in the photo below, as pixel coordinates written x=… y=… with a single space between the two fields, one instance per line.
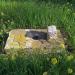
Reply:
x=34 y=38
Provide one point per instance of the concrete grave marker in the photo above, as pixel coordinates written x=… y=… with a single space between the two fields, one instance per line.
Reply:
x=50 y=39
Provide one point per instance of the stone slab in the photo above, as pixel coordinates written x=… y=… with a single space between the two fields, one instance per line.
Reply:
x=34 y=38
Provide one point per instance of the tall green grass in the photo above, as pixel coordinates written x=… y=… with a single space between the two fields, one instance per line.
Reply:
x=55 y=1
x=37 y=64
x=33 y=15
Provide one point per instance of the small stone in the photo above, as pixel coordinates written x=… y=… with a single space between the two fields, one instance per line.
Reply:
x=52 y=32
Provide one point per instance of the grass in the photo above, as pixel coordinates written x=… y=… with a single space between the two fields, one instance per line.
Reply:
x=25 y=15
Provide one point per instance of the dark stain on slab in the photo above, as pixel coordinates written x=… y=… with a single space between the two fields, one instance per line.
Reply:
x=37 y=35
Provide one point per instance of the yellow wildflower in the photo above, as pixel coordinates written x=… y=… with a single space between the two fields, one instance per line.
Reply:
x=70 y=57
x=62 y=45
x=45 y=73
x=54 y=61
x=70 y=70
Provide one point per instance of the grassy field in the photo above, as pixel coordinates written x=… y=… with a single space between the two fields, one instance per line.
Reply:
x=37 y=64
x=16 y=14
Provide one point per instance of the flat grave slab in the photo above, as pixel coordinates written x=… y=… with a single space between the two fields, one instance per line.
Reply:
x=34 y=39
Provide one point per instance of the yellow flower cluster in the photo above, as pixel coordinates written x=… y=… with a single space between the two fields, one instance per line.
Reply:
x=54 y=61
x=70 y=57
x=70 y=70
